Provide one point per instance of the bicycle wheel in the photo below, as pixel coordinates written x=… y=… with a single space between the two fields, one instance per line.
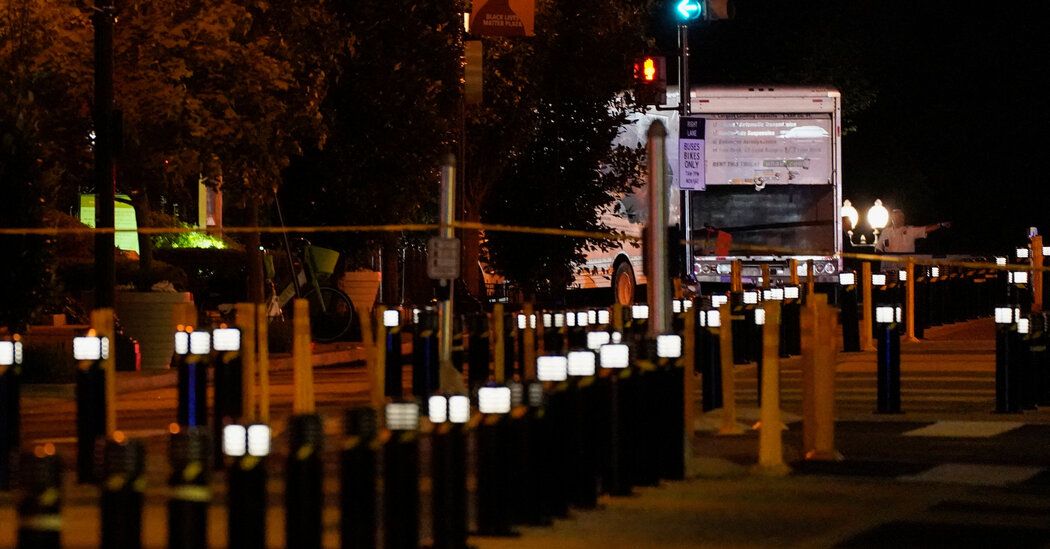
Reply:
x=333 y=320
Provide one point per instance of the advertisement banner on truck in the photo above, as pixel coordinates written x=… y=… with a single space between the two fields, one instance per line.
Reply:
x=768 y=149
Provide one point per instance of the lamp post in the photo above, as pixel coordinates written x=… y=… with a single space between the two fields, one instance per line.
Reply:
x=878 y=218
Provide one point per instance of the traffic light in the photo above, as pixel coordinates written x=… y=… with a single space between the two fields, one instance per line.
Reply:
x=650 y=80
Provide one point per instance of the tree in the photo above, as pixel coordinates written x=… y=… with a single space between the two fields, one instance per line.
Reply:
x=540 y=146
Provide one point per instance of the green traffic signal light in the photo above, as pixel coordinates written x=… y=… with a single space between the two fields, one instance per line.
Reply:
x=689 y=10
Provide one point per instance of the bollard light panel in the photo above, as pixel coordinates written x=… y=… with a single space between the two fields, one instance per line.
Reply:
x=1023 y=325
x=517 y=393
x=760 y=316
x=847 y=279
x=415 y=316
x=1046 y=251
x=592 y=316
x=1000 y=261
x=437 y=409
x=719 y=300
x=603 y=316
x=226 y=339
x=391 y=318
x=902 y=275
x=582 y=319
x=676 y=305
x=458 y=408
x=234 y=440
x=597 y=339
x=935 y=272
x=89 y=348
x=669 y=346
x=1004 y=315
x=18 y=352
x=182 y=343
x=521 y=322
x=552 y=368
x=884 y=315
x=897 y=312
x=640 y=312
x=1017 y=314
x=614 y=356
x=200 y=343
x=258 y=440
x=750 y=297
x=535 y=393
x=878 y=279
x=581 y=363
x=559 y=320
x=802 y=269
x=570 y=320
x=767 y=295
x=1023 y=253
x=714 y=319
x=548 y=320
x=494 y=400
x=1017 y=277
x=791 y=292
x=687 y=304
x=402 y=416
x=7 y=353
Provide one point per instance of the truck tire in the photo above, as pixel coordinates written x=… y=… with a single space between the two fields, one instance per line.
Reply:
x=623 y=284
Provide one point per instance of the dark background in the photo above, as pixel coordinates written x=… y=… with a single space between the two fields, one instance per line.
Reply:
x=945 y=108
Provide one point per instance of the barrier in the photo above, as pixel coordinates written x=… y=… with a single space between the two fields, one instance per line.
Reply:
x=40 y=499
x=358 y=478
x=10 y=407
x=189 y=455
x=401 y=476
x=121 y=492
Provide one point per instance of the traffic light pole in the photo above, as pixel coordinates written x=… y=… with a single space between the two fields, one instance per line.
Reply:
x=105 y=185
x=683 y=108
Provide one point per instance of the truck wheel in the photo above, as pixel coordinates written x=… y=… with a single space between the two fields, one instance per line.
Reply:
x=623 y=284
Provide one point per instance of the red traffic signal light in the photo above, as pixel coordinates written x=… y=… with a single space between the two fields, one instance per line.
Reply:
x=650 y=80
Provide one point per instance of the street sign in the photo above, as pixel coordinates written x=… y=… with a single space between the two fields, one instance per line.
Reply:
x=688 y=10
x=503 y=18
x=443 y=258
x=691 y=167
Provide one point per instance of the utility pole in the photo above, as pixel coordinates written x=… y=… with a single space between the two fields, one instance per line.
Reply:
x=105 y=173
x=449 y=378
x=683 y=111
x=659 y=293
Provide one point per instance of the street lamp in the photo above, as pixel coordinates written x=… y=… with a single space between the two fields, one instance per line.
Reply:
x=878 y=218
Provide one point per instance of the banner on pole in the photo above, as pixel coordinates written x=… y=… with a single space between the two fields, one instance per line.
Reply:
x=503 y=18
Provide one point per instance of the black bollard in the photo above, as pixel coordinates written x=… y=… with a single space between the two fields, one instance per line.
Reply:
x=553 y=333
x=358 y=479
x=672 y=404
x=791 y=318
x=708 y=358
x=425 y=358
x=888 y=359
x=40 y=499
x=1040 y=356
x=645 y=470
x=401 y=477
x=1007 y=343
x=393 y=370
x=449 y=415
x=493 y=475
x=578 y=322
x=247 y=447
x=535 y=499
x=189 y=454
x=122 y=485
x=849 y=314
x=615 y=362
x=1028 y=382
x=478 y=349
x=228 y=395
x=304 y=495
x=192 y=408
x=10 y=407
x=741 y=329
x=581 y=369
x=91 y=402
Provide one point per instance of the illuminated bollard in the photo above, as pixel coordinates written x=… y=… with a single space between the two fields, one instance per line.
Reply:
x=878 y=294
x=189 y=456
x=449 y=415
x=478 y=355
x=425 y=357
x=583 y=437
x=193 y=377
x=520 y=454
x=247 y=448
x=358 y=479
x=89 y=352
x=888 y=361
x=776 y=295
x=672 y=404
x=738 y=322
x=709 y=358
x=39 y=499
x=791 y=318
x=1006 y=347
x=122 y=485
x=1040 y=357
x=760 y=322
x=393 y=359
x=493 y=475
x=228 y=394
x=849 y=315
x=536 y=499
x=615 y=361
x=304 y=496
x=645 y=468
x=401 y=476
x=553 y=338
x=1028 y=383
x=578 y=328
x=638 y=326
x=10 y=407
x=552 y=371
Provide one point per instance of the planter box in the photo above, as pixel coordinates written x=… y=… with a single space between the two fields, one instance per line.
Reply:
x=149 y=317
x=362 y=287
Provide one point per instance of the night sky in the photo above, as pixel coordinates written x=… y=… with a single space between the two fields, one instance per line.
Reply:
x=955 y=129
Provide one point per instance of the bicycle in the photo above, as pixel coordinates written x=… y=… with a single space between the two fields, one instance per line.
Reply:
x=331 y=310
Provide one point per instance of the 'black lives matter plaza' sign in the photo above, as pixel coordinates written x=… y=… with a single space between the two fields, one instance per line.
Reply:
x=691 y=173
x=503 y=18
